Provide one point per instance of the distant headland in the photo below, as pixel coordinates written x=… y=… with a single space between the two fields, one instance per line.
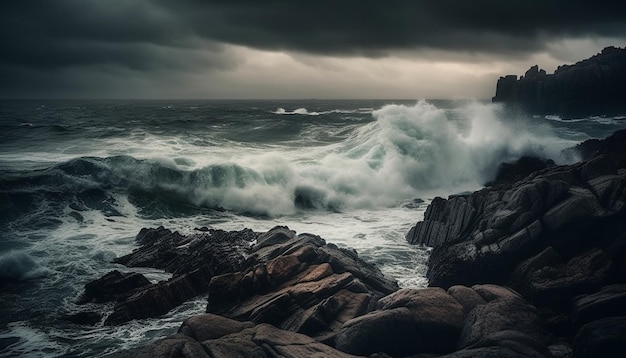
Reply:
x=594 y=86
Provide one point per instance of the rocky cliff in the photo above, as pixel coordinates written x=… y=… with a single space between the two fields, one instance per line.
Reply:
x=595 y=86
x=558 y=237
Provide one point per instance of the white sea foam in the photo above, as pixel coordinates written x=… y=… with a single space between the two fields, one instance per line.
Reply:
x=305 y=112
x=407 y=152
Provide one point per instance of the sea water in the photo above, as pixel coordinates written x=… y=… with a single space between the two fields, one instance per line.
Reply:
x=79 y=179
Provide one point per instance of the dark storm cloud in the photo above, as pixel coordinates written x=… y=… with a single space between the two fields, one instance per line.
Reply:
x=82 y=32
x=374 y=27
x=47 y=43
x=64 y=33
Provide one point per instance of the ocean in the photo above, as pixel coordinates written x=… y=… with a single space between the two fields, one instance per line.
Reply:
x=79 y=179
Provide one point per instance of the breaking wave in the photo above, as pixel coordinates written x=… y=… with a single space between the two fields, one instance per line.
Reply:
x=407 y=152
x=19 y=266
x=305 y=112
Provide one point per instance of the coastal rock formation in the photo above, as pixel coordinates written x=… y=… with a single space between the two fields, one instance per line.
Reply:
x=193 y=260
x=558 y=237
x=213 y=336
x=500 y=227
x=595 y=86
x=296 y=295
x=528 y=268
x=299 y=283
x=405 y=323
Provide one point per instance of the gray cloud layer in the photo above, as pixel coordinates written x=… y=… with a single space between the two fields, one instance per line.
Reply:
x=369 y=27
x=184 y=35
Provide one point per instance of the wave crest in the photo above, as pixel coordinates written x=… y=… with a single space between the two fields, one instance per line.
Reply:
x=305 y=112
x=19 y=266
x=408 y=152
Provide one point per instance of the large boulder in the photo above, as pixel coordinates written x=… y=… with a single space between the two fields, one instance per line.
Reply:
x=408 y=321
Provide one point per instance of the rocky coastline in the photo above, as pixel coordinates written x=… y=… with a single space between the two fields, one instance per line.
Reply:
x=595 y=86
x=533 y=265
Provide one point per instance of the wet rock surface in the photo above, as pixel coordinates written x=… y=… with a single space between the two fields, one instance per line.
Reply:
x=193 y=260
x=558 y=237
x=533 y=268
x=299 y=283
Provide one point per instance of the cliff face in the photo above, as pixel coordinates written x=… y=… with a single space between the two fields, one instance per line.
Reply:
x=557 y=237
x=595 y=86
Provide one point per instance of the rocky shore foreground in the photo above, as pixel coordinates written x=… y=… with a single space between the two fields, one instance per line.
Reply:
x=534 y=265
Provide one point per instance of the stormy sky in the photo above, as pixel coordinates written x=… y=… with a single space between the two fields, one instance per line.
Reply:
x=291 y=49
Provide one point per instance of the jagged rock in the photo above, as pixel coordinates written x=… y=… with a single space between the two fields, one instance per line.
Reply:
x=158 y=299
x=556 y=286
x=214 y=250
x=487 y=235
x=287 y=344
x=502 y=315
x=299 y=283
x=612 y=146
x=193 y=260
x=443 y=221
x=415 y=322
x=594 y=86
x=113 y=286
x=558 y=233
x=509 y=173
